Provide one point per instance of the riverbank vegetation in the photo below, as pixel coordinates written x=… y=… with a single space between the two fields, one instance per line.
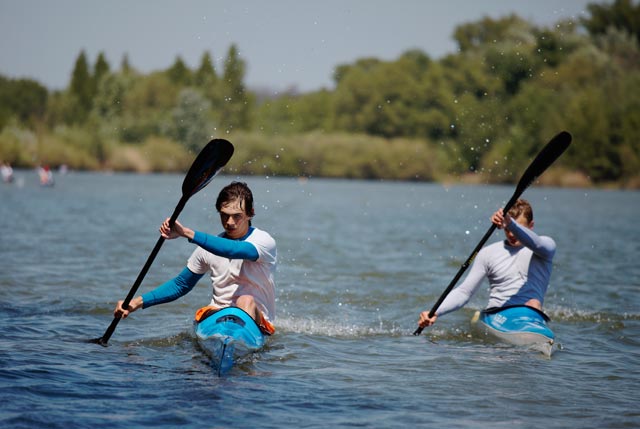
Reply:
x=480 y=114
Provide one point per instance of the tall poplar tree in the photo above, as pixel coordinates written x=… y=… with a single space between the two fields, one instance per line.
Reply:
x=235 y=109
x=101 y=68
x=179 y=73
x=205 y=76
x=81 y=89
x=125 y=65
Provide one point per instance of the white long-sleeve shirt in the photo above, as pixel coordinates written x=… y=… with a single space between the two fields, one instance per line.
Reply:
x=516 y=274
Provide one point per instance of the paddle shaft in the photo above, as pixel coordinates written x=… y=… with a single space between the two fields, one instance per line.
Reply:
x=112 y=327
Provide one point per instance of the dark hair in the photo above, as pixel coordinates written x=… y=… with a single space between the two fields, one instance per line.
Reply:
x=521 y=207
x=236 y=191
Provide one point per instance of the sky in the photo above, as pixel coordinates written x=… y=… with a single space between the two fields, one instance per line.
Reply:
x=286 y=44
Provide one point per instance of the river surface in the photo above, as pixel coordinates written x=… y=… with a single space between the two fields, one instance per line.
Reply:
x=358 y=261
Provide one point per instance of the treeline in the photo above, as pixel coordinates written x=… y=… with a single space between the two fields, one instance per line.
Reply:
x=483 y=111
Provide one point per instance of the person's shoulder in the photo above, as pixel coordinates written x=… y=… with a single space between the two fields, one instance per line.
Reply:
x=261 y=235
x=549 y=242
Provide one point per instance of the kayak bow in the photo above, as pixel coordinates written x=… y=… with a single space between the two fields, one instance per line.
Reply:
x=518 y=325
x=226 y=336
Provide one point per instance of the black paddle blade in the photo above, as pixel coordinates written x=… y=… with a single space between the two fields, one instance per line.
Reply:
x=545 y=158
x=208 y=163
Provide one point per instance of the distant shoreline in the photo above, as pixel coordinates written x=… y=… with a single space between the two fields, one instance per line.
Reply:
x=570 y=180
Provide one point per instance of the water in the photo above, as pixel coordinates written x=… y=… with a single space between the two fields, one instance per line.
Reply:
x=358 y=262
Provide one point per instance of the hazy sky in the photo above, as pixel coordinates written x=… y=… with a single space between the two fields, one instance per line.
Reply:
x=286 y=43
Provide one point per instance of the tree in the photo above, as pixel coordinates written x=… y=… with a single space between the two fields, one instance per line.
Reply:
x=291 y=113
x=205 y=76
x=100 y=69
x=621 y=14
x=179 y=74
x=236 y=105
x=81 y=89
x=22 y=99
x=147 y=106
x=512 y=65
x=488 y=32
x=191 y=126
x=125 y=65
x=407 y=97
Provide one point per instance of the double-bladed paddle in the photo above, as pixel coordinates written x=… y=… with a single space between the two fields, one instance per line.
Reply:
x=207 y=164
x=545 y=158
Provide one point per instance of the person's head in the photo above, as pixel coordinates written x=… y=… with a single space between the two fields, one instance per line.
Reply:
x=522 y=213
x=235 y=205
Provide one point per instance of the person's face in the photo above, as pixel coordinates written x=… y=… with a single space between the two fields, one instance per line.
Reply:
x=234 y=220
x=511 y=238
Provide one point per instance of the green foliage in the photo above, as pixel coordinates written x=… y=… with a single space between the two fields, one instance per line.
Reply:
x=487 y=110
x=235 y=107
x=296 y=114
x=82 y=90
x=179 y=74
x=125 y=65
x=336 y=155
x=488 y=32
x=190 y=124
x=100 y=70
x=18 y=146
x=205 y=76
x=132 y=108
x=22 y=99
x=154 y=154
x=621 y=14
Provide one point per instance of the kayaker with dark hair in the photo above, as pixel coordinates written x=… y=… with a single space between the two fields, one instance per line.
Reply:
x=241 y=261
x=518 y=268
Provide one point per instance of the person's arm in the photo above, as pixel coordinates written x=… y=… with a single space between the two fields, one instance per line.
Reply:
x=461 y=295
x=542 y=246
x=172 y=289
x=166 y=292
x=232 y=249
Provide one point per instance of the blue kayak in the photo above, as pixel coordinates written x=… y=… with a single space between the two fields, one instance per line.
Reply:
x=227 y=335
x=519 y=325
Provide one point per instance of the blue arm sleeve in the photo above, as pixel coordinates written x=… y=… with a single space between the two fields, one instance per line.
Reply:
x=542 y=246
x=171 y=290
x=232 y=249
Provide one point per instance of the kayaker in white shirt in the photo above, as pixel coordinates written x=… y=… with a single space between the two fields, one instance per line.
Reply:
x=518 y=268
x=241 y=261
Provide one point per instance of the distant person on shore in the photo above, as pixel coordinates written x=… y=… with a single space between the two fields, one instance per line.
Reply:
x=518 y=268
x=241 y=261
x=6 y=172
